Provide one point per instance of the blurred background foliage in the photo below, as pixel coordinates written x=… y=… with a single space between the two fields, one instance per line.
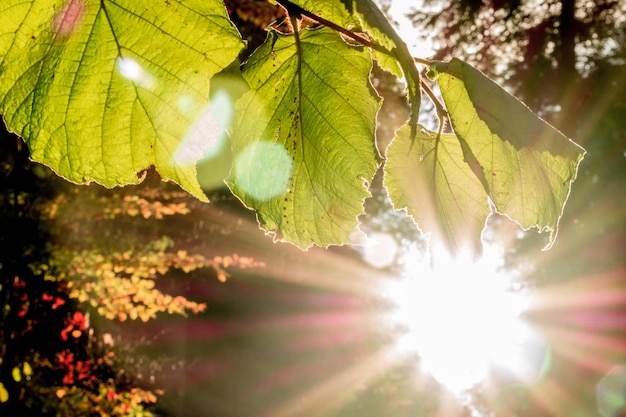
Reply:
x=68 y=255
x=82 y=269
x=51 y=362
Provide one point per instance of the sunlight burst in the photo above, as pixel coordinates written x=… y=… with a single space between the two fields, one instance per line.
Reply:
x=463 y=319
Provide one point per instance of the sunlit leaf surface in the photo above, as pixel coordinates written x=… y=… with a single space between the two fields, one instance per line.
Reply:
x=390 y=51
x=369 y=17
x=333 y=10
x=437 y=188
x=383 y=34
x=101 y=90
x=526 y=165
x=303 y=137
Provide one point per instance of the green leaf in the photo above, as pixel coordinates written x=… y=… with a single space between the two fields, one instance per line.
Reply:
x=102 y=89
x=388 y=47
x=303 y=137
x=332 y=10
x=437 y=188
x=525 y=164
x=365 y=16
x=374 y=22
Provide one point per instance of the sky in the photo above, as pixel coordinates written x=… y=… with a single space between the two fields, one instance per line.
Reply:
x=398 y=10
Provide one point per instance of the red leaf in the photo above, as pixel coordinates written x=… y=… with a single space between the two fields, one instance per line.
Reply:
x=110 y=395
x=57 y=303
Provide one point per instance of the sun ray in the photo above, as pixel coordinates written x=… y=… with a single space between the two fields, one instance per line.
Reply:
x=333 y=392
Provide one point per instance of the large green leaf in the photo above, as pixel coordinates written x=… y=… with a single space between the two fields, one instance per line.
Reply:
x=303 y=137
x=437 y=188
x=388 y=48
x=103 y=89
x=525 y=164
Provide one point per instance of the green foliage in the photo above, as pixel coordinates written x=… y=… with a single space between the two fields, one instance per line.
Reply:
x=525 y=165
x=456 y=206
x=296 y=156
x=109 y=88
x=375 y=24
x=388 y=49
x=100 y=90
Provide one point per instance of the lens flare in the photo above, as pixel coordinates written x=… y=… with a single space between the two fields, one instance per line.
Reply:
x=464 y=320
x=207 y=134
x=133 y=71
x=263 y=170
x=69 y=18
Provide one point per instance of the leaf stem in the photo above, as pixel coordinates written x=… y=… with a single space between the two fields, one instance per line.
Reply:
x=423 y=61
x=442 y=113
x=297 y=12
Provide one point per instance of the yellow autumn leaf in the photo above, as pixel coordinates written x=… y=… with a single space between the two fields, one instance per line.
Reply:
x=4 y=394
x=26 y=369
x=17 y=374
x=145 y=316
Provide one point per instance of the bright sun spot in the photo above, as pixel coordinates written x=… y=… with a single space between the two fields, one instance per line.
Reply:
x=398 y=11
x=463 y=319
x=131 y=70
